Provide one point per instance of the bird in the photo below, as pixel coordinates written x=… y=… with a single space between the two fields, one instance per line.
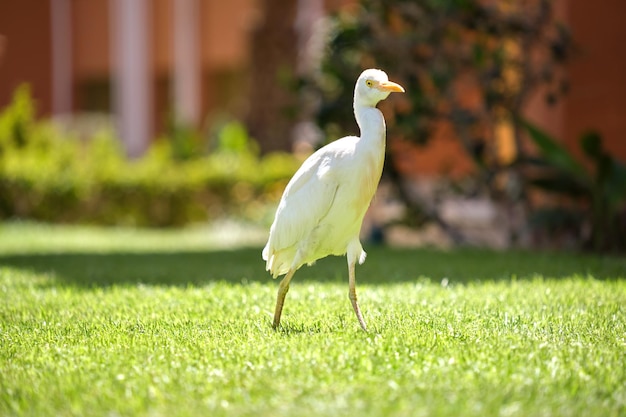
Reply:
x=322 y=207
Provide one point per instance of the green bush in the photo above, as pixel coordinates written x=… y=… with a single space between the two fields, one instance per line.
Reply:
x=591 y=204
x=46 y=175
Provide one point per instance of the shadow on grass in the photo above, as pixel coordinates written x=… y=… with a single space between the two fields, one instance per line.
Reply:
x=384 y=266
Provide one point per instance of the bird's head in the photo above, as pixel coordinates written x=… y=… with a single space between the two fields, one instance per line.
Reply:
x=373 y=86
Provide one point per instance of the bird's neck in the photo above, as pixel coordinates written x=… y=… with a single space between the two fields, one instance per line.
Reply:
x=371 y=123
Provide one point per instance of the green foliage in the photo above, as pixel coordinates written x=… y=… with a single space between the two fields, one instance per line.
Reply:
x=554 y=153
x=47 y=176
x=431 y=45
x=602 y=189
x=465 y=64
x=185 y=141
x=185 y=331
x=233 y=138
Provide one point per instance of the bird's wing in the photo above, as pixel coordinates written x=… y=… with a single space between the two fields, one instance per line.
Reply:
x=304 y=204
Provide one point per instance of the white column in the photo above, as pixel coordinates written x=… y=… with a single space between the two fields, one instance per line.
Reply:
x=186 y=62
x=132 y=83
x=61 y=38
x=311 y=36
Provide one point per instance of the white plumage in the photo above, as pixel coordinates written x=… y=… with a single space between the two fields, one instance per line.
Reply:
x=322 y=207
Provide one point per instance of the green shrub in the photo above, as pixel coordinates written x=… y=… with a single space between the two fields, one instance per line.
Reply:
x=45 y=175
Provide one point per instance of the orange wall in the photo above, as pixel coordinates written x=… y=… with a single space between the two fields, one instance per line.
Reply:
x=225 y=33
x=597 y=98
x=90 y=38
x=25 y=26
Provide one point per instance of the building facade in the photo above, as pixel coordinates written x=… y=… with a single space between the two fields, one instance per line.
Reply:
x=149 y=63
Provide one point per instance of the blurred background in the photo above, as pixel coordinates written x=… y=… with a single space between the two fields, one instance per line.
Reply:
x=165 y=113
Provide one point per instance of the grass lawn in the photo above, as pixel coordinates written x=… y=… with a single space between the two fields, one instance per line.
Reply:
x=113 y=322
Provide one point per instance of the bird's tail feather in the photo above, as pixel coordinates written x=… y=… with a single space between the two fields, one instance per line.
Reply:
x=277 y=263
x=362 y=257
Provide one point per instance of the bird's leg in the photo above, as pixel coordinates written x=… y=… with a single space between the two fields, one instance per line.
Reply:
x=280 y=298
x=352 y=294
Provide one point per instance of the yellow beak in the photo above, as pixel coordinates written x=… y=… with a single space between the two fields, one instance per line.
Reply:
x=391 y=87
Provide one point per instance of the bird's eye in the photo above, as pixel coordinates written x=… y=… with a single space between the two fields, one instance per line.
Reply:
x=369 y=83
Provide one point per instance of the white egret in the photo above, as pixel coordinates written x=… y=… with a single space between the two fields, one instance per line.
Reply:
x=322 y=207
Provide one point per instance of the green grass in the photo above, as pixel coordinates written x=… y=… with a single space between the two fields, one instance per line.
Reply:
x=168 y=324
